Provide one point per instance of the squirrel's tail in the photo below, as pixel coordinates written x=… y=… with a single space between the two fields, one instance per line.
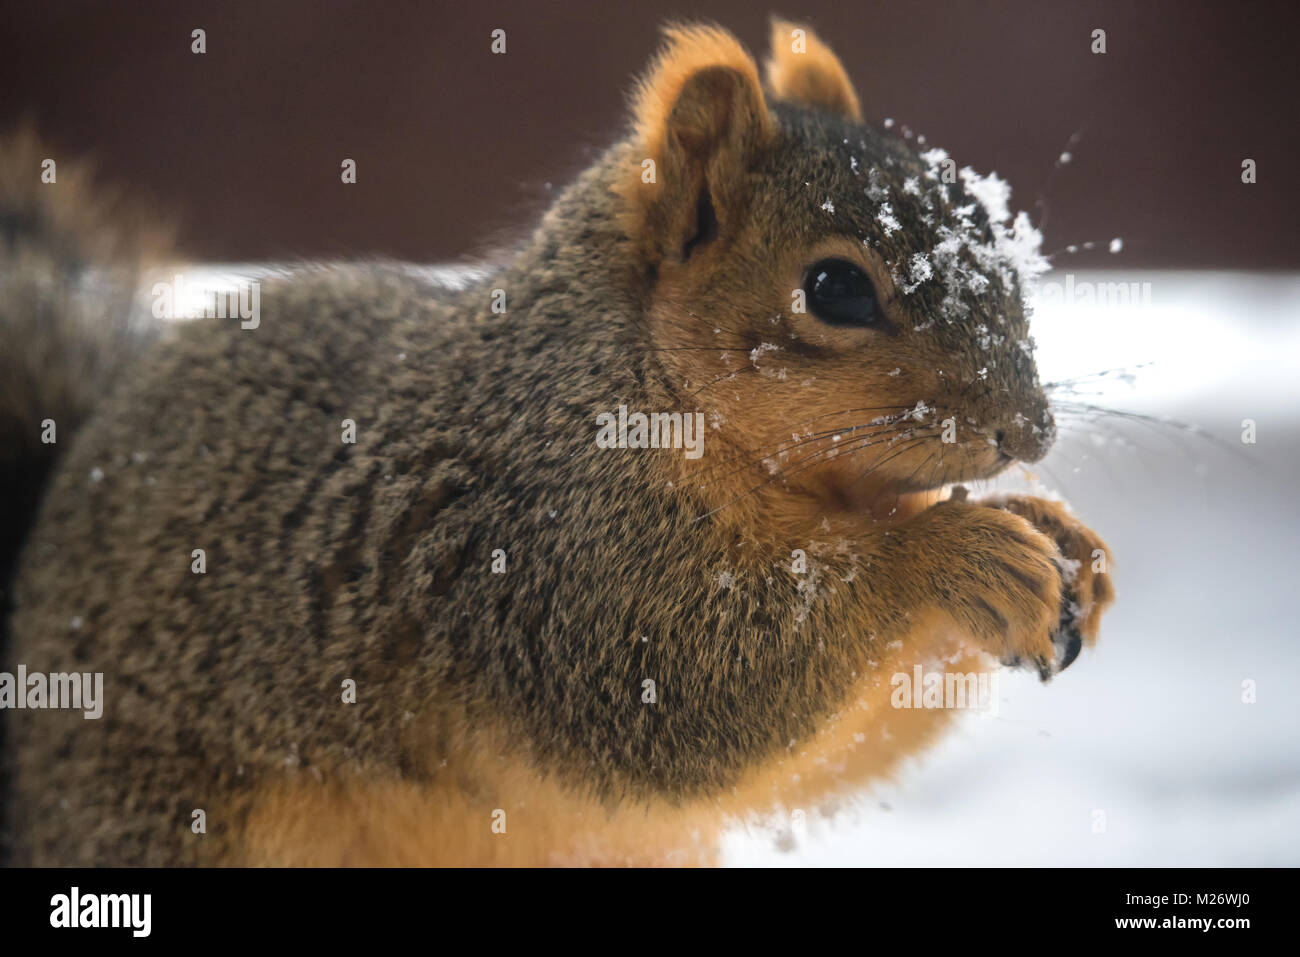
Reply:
x=71 y=255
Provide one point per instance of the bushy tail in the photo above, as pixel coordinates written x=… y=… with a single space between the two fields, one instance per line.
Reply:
x=71 y=254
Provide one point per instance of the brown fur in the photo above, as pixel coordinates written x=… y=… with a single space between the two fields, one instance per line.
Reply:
x=813 y=77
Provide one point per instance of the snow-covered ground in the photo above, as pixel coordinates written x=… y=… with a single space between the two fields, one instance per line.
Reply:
x=1150 y=727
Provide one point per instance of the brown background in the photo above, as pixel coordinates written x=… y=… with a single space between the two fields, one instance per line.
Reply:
x=455 y=146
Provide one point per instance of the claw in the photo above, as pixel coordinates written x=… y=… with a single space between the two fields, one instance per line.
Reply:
x=1073 y=645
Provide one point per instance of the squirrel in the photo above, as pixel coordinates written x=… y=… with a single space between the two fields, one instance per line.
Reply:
x=474 y=634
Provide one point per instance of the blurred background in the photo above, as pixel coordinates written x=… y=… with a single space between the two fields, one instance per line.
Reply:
x=458 y=150
x=456 y=146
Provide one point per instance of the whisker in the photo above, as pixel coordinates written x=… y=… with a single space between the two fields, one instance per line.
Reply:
x=804 y=441
x=701 y=349
x=1160 y=425
x=708 y=385
x=1121 y=372
x=881 y=422
x=865 y=442
x=839 y=451
x=907 y=447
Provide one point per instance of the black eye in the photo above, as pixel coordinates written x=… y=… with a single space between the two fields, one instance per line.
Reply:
x=839 y=293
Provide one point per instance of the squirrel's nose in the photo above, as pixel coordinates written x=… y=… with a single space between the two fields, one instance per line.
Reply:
x=1026 y=438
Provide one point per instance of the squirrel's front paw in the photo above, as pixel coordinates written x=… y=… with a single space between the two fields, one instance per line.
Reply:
x=1085 y=569
x=1001 y=580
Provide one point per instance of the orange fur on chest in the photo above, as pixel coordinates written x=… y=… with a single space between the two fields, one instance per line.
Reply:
x=487 y=809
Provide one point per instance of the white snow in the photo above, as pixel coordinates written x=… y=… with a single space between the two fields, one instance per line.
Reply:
x=992 y=192
x=887 y=219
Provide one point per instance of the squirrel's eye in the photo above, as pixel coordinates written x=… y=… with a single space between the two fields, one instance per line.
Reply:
x=840 y=293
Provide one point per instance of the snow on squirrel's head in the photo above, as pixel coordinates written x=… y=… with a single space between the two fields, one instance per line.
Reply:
x=813 y=273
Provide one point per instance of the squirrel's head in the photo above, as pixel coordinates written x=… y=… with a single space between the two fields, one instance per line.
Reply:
x=845 y=309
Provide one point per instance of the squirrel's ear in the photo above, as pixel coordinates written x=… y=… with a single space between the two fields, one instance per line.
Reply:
x=699 y=119
x=804 y=70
